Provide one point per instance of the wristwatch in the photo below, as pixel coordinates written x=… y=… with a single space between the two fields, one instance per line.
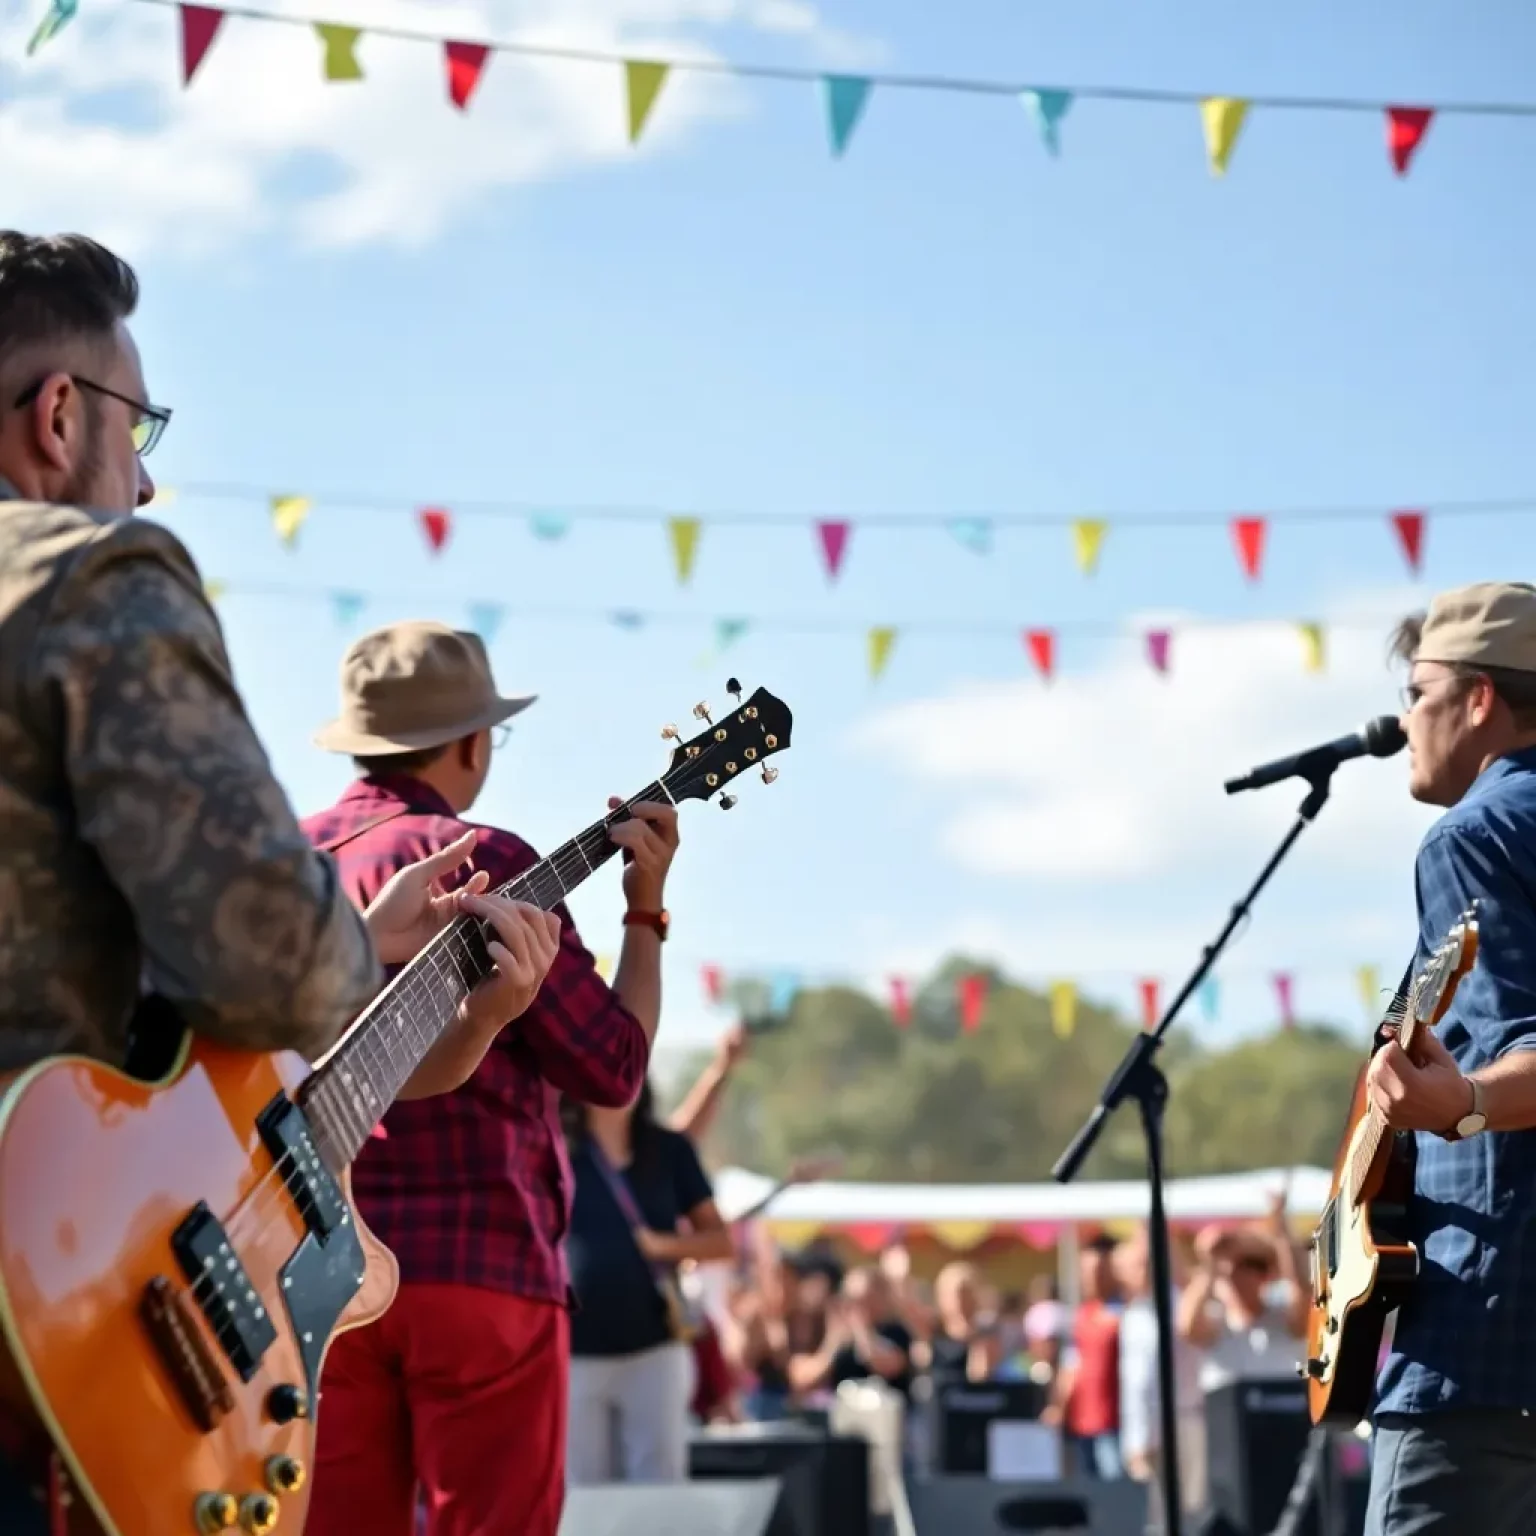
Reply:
x=1474 y=1120
x=660 y=922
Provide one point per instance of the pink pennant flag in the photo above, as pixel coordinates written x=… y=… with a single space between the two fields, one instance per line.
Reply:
x=714 y=982
x=1042 y=650
x=1410 y=534
x=437 y=524
x=834 y=542
x=1283 y=996
x=901 y=1001
x=1148 y=988
x=466 y=62
x=1158 y=641
x=199 y=27
x=973 y=998
x=1406 y=127
x=1248 y=534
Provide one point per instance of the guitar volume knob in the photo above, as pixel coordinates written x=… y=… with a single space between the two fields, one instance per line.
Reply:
x=285 y=1474
x=258 y=1513
x=215 y=1512
x=286 y=1402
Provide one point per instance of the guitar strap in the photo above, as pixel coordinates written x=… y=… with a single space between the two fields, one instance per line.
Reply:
x=331 y=844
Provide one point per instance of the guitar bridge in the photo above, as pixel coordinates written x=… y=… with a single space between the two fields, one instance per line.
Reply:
x=167 y=1317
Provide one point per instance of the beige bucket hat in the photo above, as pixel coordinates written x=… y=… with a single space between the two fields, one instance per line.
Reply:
x=412 y=686
x=1489 y=624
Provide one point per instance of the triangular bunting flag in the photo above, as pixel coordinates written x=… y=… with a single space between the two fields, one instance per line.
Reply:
x=1087 y=540
x=1048 y=108
x=485 y=620
x=1410 y=534
x=901 y=1002
x=288 y=516
x=549 y=526
x=973 y=999
x=1158 y=643
x=728 y=632
x=199 y=26
x=684 y=532
x=1063 y=997
x=627 y=618
x=1406 y=127
x=713 y=979
x=834 y=544
x=1283 y=998
x=436 y=524
x=960 y=1236
x=215 y=590
x=340 y=43
x=846 y=96
x=348 y=607
x=59 y=16
x=1148 y=988
x=975 y=533
x=1368 y=979
x=1248 y=535
x=466 y=63
x=642 y=82
x=782 y=990
x=1210 y=998
x=1222 y=118
x=881 y=640
x=1041 y=644
x=603 y=964
x=1314 y=649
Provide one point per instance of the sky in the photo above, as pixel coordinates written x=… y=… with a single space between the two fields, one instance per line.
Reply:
x=355 y=293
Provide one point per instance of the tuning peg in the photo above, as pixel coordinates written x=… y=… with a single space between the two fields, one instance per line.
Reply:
x=727 y=801
x=769 y=774
x=669 y=733
x=701 y=712
x=733 y=688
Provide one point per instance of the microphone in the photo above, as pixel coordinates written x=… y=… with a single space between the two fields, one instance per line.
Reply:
x=1380 y=737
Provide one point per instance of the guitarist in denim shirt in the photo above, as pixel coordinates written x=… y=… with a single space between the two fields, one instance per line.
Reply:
x=1456 y=1413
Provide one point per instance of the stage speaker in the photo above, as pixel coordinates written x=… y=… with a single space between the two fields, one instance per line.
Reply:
x=963 y=1417
x=825 y=1477
x=723 y=1508
x=976 y=1506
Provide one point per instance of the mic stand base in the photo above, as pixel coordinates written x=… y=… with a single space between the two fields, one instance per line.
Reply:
x=1139 y=1077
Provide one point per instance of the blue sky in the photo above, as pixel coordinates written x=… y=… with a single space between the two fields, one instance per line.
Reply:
x=351 y=289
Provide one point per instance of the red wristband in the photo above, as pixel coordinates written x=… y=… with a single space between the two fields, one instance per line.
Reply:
x=657 y=922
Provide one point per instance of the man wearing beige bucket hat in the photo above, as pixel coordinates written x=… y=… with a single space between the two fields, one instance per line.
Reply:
x=461 y=1387
x=1455 y=1445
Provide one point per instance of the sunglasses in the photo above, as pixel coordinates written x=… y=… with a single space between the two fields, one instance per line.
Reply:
x=149 y=421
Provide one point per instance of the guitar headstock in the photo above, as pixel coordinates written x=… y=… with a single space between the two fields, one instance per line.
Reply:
x=744 y=737
x=1435 y=986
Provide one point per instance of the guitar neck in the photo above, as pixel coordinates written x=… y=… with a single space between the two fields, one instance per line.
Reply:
x=347 y=1096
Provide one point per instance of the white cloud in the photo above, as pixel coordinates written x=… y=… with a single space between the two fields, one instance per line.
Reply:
x=1115 y=775
x=97 y=132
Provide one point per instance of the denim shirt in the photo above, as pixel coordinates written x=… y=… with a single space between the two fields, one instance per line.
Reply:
x=1466 y=1337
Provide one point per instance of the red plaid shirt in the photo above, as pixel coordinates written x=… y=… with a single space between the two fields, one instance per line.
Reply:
x=474 y=1187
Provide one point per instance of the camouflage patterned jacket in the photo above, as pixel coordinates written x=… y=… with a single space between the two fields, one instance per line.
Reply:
x=143 y=838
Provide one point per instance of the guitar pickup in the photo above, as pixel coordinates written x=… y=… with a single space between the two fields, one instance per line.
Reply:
x=285 y=1132
x=222 y=1290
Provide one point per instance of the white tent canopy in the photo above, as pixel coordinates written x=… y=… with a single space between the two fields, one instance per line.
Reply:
x=1226 y=1197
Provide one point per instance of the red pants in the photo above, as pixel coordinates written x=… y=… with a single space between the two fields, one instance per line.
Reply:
x=460 y=1390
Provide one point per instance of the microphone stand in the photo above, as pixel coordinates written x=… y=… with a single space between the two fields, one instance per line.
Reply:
x=1139 y=1077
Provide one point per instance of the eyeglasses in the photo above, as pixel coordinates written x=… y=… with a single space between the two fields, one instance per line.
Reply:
x=149 y=423
x=1415 y=692
x=501 y=734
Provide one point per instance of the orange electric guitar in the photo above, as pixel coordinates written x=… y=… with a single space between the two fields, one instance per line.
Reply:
x=1362 y=1262
x=176 y=1256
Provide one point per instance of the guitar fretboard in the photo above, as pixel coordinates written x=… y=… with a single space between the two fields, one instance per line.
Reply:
x=347 y=1095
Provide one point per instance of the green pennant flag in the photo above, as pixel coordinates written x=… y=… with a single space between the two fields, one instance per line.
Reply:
x=340 y=50
x=643 y=82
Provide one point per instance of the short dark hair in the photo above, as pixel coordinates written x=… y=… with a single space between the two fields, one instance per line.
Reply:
x=399 y=762
x=56 y=286
x=1517 y=689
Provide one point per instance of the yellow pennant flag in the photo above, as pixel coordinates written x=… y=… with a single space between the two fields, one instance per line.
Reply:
x=1368 y=978
x=604 y=964
x=214 y=590
x=164 y=496
x=961 y=1236
x=794 y=1234
x=1313 y=650
x=1063 y=1008
x=643 y=82
x=880 y=642
x=288 y=514
x=340 y=50
x=1087 y=539
x=685 y=544
x=1222 y=117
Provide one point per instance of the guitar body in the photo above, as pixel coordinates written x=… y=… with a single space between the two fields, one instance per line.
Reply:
x=99 y=1175
x=1362 y=1267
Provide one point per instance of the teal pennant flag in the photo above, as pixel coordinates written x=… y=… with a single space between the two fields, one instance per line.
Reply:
x=728 y=632
x=846 y=96
x=975 y=533
x=348 y=607
x=1210 y=998
x=485 y=620
x=59 y=16
x=549 y=526
x=1048 y=108
x=784 y=989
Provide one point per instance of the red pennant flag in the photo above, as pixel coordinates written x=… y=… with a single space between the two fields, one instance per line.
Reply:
x=466 y=62
x=1283 y=994
x=1248 y=532
x=1158 y=641
x=199 y=26
x=714 y=982
x=1148 y=988
x=871 y=1236
x=901 y=1001
x=973 y=997
x=834 y=541
x=1406 y=127
x=1410 y=534
x=1042 y=649
x=437 y=524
